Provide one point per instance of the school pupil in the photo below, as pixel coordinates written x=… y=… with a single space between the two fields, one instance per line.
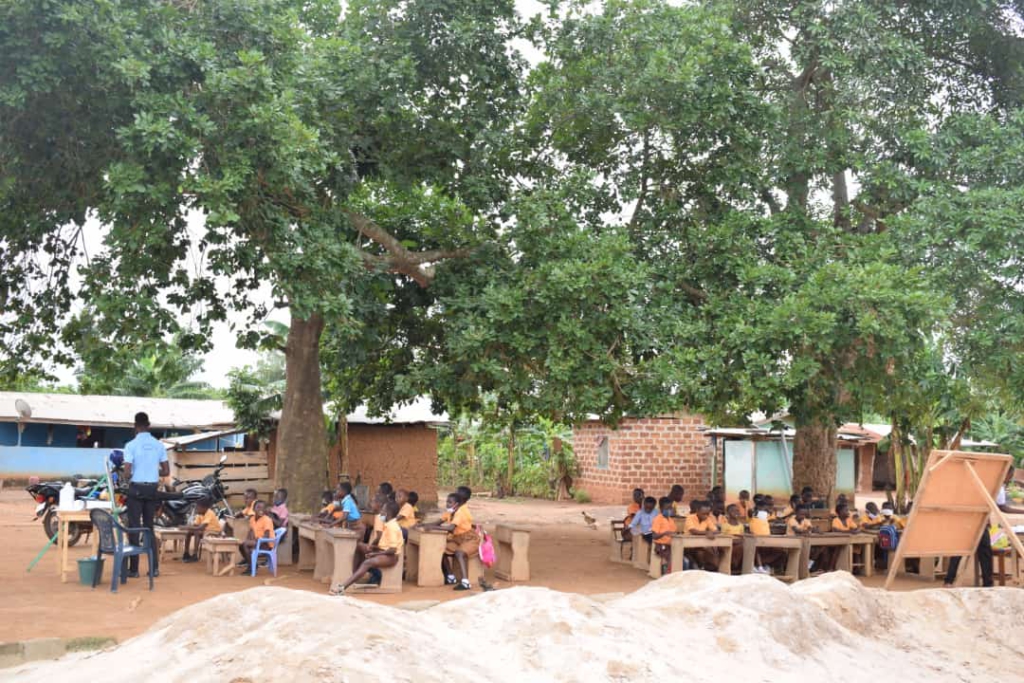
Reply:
x=662 y=530
x=790 y=509
x=279 y=510
x=462 y=543
x=701 y=523
x=250 y=504
x=414 y=501
x=843 y=521
x=377 y=508
x=746 y=507
x=381 y=555
x=387 y=490
x=676 y=493
x=205 y=522
x=260 y=526
x=799 y=524
x=631 y=510
x=344 y=511
x=406 y=513
x=694 y=504
x=733 y=526
x=465 y=493
x=718 y=511
x=643 y=520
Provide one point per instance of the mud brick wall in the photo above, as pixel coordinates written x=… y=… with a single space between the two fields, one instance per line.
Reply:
x=652 y=453
x=405 y=455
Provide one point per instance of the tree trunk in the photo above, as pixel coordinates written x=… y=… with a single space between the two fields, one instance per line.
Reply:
x=511 y=458
x=302 y=439
x=814 y=456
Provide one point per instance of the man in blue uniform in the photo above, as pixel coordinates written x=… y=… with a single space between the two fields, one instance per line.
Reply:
x=145 y=461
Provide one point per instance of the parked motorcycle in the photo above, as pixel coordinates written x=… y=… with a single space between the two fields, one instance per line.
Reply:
x=47 y=495
x=178 y=507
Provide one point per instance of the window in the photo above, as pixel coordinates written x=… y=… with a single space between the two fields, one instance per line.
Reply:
x=602 y=453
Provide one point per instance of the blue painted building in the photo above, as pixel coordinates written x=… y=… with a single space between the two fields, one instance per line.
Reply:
x=57 y=436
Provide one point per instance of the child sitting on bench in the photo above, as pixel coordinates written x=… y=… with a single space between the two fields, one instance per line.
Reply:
x=701 y=523
x=406 y=513
x=205 y=522
x=383 y=554
x=634 y=507
x=463 y=541
x=260 y=526
x=662 y=530
x=732 y=525
x=746 y=507
x=644 y=519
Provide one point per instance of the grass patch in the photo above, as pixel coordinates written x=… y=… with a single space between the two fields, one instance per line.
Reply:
x=581 y=496
x=89 y=643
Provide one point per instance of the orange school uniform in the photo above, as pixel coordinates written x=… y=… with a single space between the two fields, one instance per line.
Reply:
x=793 y=526
x=408 y=515
x=630 y=512
x=848 y=525
x=391 y=537
x=263 y=528
x=661 y=525
x=210 y=519
x=745 y=507
x=732 y=529
x=693 y=524
x=760 y=527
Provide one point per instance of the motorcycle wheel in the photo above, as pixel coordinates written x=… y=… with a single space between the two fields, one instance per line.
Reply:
x=51 y=523
x=164 y=519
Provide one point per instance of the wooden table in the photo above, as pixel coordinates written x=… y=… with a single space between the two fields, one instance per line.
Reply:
x=513 y=553
x=168 y=535
x=221 y=554
x=66 y=518
x=683 y=542
x=305 y=535
x=866 y=542
x=423 y=553
x=323 y=567
x=793 y=545
x=343 y=553
x=830 y=540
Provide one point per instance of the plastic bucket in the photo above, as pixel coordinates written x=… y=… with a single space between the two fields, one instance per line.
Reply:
x=89 y=568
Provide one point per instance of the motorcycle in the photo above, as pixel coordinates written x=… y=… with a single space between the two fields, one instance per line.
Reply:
x=177 y=508
x=47 y=495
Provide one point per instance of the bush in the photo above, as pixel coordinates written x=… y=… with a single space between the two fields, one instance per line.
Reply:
x=581 y=496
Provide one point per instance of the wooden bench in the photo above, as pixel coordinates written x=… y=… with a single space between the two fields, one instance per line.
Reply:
x=423 y=552
x=831 y=540
x=865 y=559
x=323 y=565
x=513 y=553
x=641 y=553
x=683 y=542
x=221 y=554
x=390 y=580
x=343 y=551
x=175 y=537
x=305 y=536
x=618 y=543
x=793 y=545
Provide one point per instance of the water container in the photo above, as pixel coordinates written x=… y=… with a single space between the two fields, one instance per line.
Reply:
x=67 y=497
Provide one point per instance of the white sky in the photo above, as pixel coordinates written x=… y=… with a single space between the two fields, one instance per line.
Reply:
x=225 y=355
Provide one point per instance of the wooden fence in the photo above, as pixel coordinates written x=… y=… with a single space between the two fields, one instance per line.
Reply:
x=243 y=470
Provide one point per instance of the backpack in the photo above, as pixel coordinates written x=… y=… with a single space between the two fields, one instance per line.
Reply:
x=888 y=537
x=487 y=554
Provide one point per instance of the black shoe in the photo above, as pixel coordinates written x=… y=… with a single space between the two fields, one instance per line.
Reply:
x=156 y=573
x=132 y=575
x=243 y=563
x=463 y=586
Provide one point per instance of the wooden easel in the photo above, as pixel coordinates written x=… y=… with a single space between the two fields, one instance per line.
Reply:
x=952 y=507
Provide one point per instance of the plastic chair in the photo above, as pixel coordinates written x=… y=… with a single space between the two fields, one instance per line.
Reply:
x=112 y=542
x=271 y=553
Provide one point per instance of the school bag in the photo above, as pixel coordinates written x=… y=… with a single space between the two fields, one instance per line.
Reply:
x=888 y=537
x=487 y=554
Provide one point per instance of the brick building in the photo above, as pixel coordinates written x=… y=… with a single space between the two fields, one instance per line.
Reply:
x=652 y=453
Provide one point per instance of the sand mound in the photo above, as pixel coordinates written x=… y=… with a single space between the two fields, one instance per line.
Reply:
x=692 y=626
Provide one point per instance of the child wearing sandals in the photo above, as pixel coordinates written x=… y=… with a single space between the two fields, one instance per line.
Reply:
x=383 y=554
x=463 y=541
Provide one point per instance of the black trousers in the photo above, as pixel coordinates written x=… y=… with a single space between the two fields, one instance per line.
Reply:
x=984 y=555
x=142 y=505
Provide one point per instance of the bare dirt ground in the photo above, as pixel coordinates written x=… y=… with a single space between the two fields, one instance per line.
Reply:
x=565 y=555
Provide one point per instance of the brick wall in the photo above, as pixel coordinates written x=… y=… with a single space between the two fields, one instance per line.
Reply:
x=405 y=455
x=652 y=453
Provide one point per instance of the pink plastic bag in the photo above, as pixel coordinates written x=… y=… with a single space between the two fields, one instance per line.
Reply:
x=487 y=554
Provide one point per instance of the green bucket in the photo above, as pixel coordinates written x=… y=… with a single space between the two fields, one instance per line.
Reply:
x=89 y=568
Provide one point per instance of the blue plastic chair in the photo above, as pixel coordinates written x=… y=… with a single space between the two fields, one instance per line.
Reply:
x=271 y=553
x=112 y=542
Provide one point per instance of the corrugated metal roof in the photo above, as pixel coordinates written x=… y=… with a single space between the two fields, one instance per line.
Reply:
x=188 y=439
x=117 y=411
x=418 y=411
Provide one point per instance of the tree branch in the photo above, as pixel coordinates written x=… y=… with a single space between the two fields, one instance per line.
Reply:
x=415 y=265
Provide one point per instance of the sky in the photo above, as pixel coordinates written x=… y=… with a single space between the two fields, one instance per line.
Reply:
x=225 y=355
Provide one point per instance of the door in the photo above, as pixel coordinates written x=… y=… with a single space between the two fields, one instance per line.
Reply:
x=739 y=468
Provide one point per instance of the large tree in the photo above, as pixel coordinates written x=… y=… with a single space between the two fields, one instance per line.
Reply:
x=337 y=156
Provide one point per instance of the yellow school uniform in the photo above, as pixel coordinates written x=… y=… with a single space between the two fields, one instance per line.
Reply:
x=391 y=536
x=897 y=522
x=787 y=511
x=678 y=509
x=630 y=512
x=462 y=520
x=263 y=528
x=693 y=524
x=210 y=519
x=662 y=524
x=760 y=527
x=745 y=507
x=840 y=525
x=732 y=529
x=793 y=526
x=408 y=516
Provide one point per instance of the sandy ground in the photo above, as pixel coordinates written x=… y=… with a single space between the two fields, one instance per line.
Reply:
x=565 y=555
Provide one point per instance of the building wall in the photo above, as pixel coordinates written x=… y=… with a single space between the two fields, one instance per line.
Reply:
x=650 y=453
x=405 y=455
x=865 y=467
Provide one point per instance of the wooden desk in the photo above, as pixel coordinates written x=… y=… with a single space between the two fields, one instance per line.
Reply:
x=617 y=544
x=866 y=542
x=221 y=554
x=830 y=540
x=305 y=535
x=343 y=550
x=66 y=519
x=793 y=545
x=681 y=543
x=513 y=553
x=423 y=553
x=641 y=553
x=176 y=537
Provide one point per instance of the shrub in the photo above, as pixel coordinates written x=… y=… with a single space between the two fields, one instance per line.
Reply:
x=581 y=496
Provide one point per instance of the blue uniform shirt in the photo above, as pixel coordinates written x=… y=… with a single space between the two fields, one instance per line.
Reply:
x=145 y=454
x=348 y=504
x=642 y=520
